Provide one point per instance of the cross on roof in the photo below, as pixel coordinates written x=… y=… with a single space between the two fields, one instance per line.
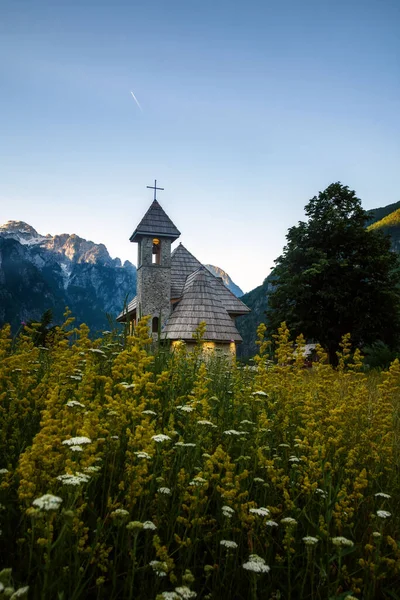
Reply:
x=155 y=188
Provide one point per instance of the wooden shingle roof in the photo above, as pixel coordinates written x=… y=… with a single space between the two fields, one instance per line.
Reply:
x=182 y=264
x=155 y=222
x=232 y=304
x=201 y=302
x=128 y=310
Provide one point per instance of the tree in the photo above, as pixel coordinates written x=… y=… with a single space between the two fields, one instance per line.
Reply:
x=335 y=276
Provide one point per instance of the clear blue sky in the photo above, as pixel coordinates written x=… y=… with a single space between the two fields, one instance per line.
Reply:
x=249 y=109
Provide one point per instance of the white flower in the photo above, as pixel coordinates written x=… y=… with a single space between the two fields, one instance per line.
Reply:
x=227 y=511
x=294 y=459
x=143 y=455
x=120 y=513
x=149 y=412
x=47 y=502
x=228 y=544
x=258 y=480
x=72 y=403
x=271 y=524
x=322 y=493
x=376 y=534
x=284 y=445
x=170 y=596
x=246 y=422
x=75 y=479
x=20 y=593
x=342 y=541
x=76 y=448
x=185 y=592
x=261 y=512
x=114 y=437
x=383 y=514
x=204 y=422
x=310 y=541
x=149 y=525
x=260 y=393
x=234 y=432
x=185 y=408
x=97 y=351
x=185 y=445
x=160 y=568
x=197 y=481
x=160 y=437
x=3 y=471
x=256 y=564
x=127 y=386
x=76 y=377
x=77 y=441
x=382 y=495
x=164 y=490
x=92 y=469
x=289 y=521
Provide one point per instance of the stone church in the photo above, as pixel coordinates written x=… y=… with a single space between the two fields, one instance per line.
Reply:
x=177 y=291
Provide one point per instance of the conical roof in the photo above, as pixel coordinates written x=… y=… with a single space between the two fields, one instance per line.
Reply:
x=155 y=222
x=200 y=302
x=182 y=264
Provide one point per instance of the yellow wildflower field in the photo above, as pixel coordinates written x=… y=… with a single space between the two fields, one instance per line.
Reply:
x=133 y=473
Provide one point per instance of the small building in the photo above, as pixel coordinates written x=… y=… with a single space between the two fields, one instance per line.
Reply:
x=177 y=291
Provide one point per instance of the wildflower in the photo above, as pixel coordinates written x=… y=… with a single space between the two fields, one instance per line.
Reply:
x=342 y=541
x=382 y=495
x=376 y=534
x=185 y=408
x=289 y=521
x=134 y=526
x=75 y=479
x=119 y=513
x=164 y=490
x=246 y=422
x=204 y=422
x=72 y=403
x=143 y=455
x=127 y=386
x=261 y=512
x=77 y=441
x=160 y=568
x=228 y=544
x=256 y=564
x=197 y=481
x=160 y=437
x=185 y=445
x=76 y=448
x=170 y=596
x=271 y=524
x=115 y=437
x=47 y=502
x=284 y=445
x=149 y=525
x=259 y=393
x=112 y=413
x=234 y=432
x=322 y=493
x=76 y=377
x=96 y=351
x=3 y=471
x=294 y=459
x=149 y=412
x=227 y=511
x=185 y=592
x=258 y=480
x=383 y=514
x=92 y=469
x=310 y=541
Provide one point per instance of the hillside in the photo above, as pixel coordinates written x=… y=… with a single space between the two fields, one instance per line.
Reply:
x=218 y=272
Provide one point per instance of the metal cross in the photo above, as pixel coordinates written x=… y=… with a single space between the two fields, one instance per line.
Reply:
x=155 y=188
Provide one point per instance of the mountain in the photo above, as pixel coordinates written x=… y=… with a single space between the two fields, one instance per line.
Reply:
x=386 y=218
x=39 y=272
x=235 y=289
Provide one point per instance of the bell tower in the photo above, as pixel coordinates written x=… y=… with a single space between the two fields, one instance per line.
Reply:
x=154 y=236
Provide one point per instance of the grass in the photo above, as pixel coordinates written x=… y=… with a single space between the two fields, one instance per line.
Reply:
x=170 y=476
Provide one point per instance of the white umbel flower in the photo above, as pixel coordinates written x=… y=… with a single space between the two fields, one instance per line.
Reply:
x=289 y=521
x=310 y=541
x=143 y=455
x=149 y=525
x=77 y=441
x=47 y=502
x=160 y=437
x=228 y=544
x=261 y=512
x=72 y=403
x=227 y=511
x=185 y=593
x=383 y=514
x=256 y=564
x=342 y=541
x=382 y=495
x=75 y=479
x=164 y=490
x=160 y=568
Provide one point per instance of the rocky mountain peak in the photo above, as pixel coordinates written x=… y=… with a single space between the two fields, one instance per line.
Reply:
x=20 y=231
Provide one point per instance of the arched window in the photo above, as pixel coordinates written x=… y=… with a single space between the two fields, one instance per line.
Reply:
x=154 y=325
x=156 y=255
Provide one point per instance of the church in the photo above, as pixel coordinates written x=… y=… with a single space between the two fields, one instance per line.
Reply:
x=177 y=291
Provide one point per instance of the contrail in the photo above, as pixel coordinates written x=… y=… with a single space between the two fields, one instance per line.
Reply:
x=136 y=100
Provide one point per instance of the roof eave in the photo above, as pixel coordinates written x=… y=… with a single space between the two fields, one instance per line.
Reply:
x=136 y=235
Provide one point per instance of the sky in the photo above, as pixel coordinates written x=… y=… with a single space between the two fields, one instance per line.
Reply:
x=248 y=110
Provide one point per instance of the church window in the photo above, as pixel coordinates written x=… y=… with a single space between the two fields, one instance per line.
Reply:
x=156 y=255
x=154 y=325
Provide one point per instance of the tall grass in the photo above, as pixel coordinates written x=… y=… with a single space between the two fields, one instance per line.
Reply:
x=132 y=474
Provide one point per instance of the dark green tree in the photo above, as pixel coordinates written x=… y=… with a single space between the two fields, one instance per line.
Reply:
x=335 y=276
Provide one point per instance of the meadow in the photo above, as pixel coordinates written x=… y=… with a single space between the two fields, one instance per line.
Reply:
x=133 y=473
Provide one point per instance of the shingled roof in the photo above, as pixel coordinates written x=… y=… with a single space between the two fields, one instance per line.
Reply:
x=182 y=264
x=155 y=222
x=201 y=303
